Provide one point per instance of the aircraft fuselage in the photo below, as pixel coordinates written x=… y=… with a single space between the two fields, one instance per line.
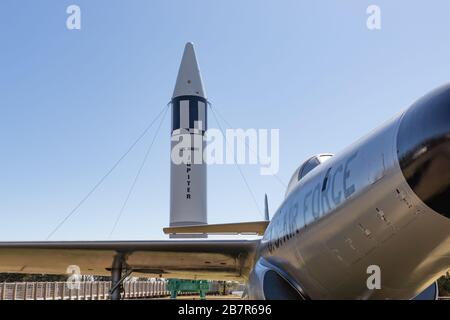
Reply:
x=384 y=202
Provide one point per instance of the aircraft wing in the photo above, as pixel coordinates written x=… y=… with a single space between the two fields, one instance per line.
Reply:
x=188 y=259
x=254 y=227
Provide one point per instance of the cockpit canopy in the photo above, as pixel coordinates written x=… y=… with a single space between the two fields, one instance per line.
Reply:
x=305 y=168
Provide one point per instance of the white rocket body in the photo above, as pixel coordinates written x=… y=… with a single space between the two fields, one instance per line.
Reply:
x=188 y=181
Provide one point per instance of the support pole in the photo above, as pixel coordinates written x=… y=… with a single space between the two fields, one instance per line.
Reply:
x=116 y=275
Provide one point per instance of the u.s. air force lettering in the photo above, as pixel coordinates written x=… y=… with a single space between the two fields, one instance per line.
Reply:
x=315 y=202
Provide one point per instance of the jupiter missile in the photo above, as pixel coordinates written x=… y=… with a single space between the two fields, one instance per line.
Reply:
x=188 y=201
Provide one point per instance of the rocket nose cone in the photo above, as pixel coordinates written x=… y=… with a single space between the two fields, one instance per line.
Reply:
x=189 y=81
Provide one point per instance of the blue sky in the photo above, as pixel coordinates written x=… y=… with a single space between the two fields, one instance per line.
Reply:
x=71 y=102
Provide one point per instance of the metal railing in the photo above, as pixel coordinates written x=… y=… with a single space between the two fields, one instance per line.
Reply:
x=89 y=290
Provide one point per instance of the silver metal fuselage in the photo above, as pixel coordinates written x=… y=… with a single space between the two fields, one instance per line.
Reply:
x=350 y=212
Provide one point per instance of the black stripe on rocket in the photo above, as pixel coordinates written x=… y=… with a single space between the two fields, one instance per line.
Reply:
x=197 y=109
